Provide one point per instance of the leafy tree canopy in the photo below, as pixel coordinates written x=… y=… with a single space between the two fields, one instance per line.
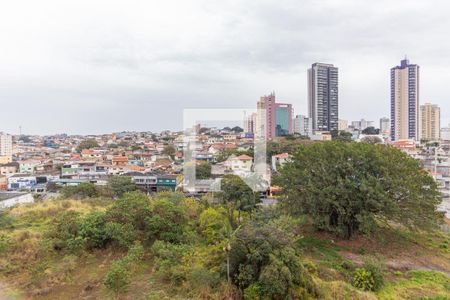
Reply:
x=237 y=129
x=371 y=130
x=350 y=187
x=342 y=136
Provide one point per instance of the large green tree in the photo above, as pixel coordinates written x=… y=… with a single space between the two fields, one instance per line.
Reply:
x=350 y=187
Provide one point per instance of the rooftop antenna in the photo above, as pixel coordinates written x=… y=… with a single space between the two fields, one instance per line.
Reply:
x=20 y=130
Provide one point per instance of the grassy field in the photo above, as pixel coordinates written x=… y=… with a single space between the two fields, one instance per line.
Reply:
x=416 y=265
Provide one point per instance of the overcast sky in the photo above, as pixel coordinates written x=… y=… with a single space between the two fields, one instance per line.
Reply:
x=102 y=66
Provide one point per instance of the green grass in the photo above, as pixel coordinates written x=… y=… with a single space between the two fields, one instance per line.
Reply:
x=330 y=263
x=418 y=285
x=318 y=247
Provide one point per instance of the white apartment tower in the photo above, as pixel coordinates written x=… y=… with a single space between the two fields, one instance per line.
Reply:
x=385 y=126
x=303 y=125
x=5 y=144
x=250 y=123
x=430 y=122
x=405 y=101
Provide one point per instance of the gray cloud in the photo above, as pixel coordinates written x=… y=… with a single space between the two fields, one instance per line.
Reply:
x=83 y=67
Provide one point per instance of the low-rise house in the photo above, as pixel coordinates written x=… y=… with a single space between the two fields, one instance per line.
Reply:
x=230 y=137
x=168 y=182
x=119 y=160
x=214 y=140
x=242 y=163
x=28 y=166
x=87 y=153
x=144 y=181
x=83 y=170
x=408 y=146
x=216 y=149
x=20 y=182
x=44 y=167
x=9 y=169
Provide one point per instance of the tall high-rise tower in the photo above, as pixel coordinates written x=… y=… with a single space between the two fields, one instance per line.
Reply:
x=405 y=101
x=323 y=97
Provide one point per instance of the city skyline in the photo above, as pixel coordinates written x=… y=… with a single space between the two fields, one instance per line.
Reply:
x=138 y=70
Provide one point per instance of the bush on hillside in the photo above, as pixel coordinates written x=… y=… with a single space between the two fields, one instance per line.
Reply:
x=370 y=277
x=167 y=221
x=363 y=279
x=92 y=228
x=121 y=235
x=118 y=277
x=132 y=208
x=263 y=258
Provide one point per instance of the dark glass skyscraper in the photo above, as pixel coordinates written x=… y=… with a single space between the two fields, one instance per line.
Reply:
x=323 y=97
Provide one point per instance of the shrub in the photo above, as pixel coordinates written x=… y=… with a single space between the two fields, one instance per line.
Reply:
x=76 y=244
x=376 y=268
x=363 y=279
x=132 y=208
x=212 y=223
x=263 y=254
x=347 y=265
x=167 y=222
x=122 y=234
x=135 y=254
x=118 y=277
x=92 y=229
x=200 y=277
x=168 y=260
x=65 y=227
x=310 y=267
x=253 y=292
